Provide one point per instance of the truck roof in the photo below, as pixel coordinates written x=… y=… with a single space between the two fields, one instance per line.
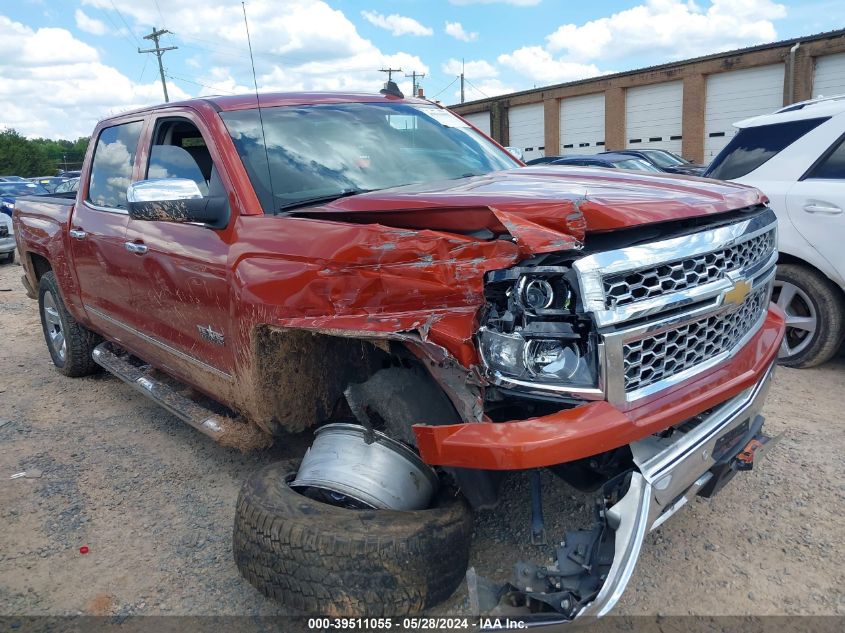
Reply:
x=224 y=103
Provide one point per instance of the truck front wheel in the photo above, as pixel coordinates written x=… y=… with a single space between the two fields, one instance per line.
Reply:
x=70 y=343
x=320 y=559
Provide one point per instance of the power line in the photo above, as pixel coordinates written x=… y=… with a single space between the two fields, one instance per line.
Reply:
x=477 y=88
x=159 y=51
x=126 y=24
x=143 y=68
x=117 y=28
x=451 y=83
x=196 y=83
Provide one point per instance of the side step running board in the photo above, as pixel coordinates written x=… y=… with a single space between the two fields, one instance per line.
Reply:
x=183 y=408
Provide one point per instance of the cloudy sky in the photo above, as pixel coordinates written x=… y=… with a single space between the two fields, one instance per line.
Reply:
x=66 y=63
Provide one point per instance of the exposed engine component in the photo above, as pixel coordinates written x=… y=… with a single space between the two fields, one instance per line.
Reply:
x=351 y=466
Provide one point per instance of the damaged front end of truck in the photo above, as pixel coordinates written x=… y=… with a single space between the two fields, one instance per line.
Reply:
x=633 y=364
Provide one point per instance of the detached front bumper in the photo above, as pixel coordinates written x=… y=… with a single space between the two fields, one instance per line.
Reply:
x=669 y=472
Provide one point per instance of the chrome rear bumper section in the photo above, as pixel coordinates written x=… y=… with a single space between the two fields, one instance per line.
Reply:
x=699 y=457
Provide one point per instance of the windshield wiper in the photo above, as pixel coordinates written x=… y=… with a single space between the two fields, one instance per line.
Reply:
x=345 y=193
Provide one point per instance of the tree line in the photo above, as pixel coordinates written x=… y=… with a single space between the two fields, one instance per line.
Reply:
x=30 y=157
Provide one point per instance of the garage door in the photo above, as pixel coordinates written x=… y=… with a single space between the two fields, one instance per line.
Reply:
x=582 y=125
x=738 y=95
x=481 y=120
x=829 y=76
x=525 y=129
x=653 y=116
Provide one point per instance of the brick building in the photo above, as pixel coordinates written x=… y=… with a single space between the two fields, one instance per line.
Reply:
x=687 y=106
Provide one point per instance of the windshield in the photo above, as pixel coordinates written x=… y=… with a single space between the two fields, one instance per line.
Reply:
x=320 y=152
x=664 y=159
x=21 y=189
x=636 y=163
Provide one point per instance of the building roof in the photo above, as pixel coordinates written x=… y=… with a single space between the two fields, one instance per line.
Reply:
x=684 y=62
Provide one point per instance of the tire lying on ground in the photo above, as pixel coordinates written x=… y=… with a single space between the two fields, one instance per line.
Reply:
x=320 y=559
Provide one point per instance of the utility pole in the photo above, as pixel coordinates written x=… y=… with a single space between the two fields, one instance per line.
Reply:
x=159 y=51
x=414 y=74
x=390 y=72
x=462 y=80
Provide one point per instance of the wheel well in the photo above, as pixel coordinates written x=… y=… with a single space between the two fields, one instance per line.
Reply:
x=786 y=258
x=40 y=265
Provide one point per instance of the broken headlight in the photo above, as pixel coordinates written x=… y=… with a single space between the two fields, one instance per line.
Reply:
x=532 y=332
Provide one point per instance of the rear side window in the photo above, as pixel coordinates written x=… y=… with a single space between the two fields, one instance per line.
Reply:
x=753 y=146
x=832 y=166
x=111 y=170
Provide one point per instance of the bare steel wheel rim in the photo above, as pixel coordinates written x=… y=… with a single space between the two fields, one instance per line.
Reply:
x=801 y=318
x=53 y=324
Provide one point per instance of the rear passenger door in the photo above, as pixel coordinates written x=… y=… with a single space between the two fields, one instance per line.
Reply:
x=98 y=228
x=180 y=277
x=816 y=205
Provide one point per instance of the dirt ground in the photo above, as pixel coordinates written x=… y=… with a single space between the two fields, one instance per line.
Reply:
x=153 y=500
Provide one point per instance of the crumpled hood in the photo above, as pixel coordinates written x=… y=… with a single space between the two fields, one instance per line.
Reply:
x=544 y=208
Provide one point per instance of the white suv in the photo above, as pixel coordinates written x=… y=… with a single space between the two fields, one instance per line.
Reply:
x=796 y=156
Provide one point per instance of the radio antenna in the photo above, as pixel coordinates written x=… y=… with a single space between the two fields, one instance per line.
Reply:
x=260 y=117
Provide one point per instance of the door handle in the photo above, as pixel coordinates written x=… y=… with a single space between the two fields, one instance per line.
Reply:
x=77 y=234
x=135 y=247
x=826 y=208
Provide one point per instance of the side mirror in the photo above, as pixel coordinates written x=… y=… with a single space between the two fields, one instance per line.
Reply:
x=175 y=200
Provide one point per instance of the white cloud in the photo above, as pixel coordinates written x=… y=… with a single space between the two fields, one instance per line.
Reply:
x=479 y=69
x=89 y=24
x=57 y=86
x=517 y=3
x=298 y=44
x=673 y=28
x=535 y=62
x=456 y=30
x=396 y=24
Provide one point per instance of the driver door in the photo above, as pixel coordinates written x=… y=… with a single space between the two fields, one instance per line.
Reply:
x=180 y=279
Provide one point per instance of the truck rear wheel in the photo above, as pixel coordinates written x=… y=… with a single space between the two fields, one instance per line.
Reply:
x=321 y=559
x=70 y=343
x=814 y=315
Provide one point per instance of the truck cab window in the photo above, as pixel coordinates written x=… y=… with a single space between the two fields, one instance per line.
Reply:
x=111 y=170
x=180 y=151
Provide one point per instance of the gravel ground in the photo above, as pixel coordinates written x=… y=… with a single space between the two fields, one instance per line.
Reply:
x=153 y=500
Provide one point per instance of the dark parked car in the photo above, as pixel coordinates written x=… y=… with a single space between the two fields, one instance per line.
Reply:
x=68 y=186
x=70 y=174
x=48 y=182
x=11 y=190
x=608 y=159
x=666 y=161
x=12 y=179
x=543 y=160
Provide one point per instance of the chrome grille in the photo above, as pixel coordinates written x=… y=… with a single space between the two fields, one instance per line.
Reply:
x=650 y=360
x=689 y=272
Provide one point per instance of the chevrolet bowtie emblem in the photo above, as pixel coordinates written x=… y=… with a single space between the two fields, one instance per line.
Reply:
x=737 y=294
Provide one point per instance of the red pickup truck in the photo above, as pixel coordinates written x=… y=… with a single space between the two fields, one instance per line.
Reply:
x=374 y=271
